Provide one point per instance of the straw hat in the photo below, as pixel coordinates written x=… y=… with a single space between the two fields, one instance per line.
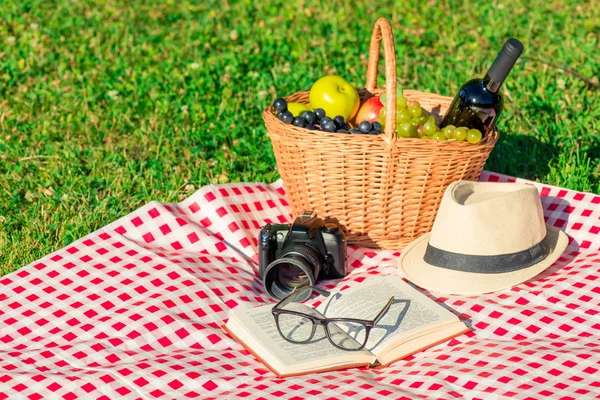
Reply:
x=486 y=237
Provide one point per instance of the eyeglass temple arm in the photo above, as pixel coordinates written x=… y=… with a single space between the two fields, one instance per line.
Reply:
x=383 y=311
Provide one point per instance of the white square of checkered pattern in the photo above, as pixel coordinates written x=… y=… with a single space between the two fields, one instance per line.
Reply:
x=133 y=311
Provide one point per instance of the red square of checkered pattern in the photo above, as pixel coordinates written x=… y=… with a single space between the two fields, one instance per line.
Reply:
x=133 y=311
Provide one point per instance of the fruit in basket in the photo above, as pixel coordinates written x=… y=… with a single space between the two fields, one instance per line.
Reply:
x=310 y=117
x=401 y=103
x=320 y=113
x=415 y=110
x=439 y=136
x=430 y=127
x=339 y=122
x=335 y=96
x=377 y=127
x=448 y=131
x=460 y=134
x=327 y=124
x=299 y=122
x=286 y=117
x=297 y=108
x=280 y=105
x=328 y=127
x=325 y=120
x=410 y=118
x=474 y=136
x=365 y=127
x=370 y=110
x=403 y=116
x=407 y=130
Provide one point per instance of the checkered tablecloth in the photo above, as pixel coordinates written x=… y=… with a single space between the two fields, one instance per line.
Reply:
x=133 y=311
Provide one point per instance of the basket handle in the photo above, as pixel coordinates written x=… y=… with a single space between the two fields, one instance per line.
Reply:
x=383 y=31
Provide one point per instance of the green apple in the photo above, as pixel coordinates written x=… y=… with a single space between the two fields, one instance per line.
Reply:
x=336 y=96
x=297 y=108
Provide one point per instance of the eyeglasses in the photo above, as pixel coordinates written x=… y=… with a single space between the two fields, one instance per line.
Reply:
x=297 y=322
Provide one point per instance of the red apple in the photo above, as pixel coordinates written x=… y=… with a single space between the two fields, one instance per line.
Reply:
x=369 y=110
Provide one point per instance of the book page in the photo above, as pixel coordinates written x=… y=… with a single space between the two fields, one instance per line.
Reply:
x=260 y=323
x=421 y=341
x=410 y=313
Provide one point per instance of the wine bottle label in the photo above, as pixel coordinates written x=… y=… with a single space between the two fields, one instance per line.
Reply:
x=485 y=115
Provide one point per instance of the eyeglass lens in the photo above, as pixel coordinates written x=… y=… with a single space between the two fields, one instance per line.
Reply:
x=296 y=328
x=347 y=334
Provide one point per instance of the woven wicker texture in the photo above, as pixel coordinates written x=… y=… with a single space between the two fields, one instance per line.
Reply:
x=384 y=190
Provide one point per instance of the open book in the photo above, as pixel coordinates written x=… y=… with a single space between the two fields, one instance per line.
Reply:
x=412 y=323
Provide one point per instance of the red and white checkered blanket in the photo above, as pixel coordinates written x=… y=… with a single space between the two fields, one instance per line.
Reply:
x=133 y=311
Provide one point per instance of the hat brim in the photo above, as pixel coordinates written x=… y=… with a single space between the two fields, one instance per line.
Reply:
x=442 y=280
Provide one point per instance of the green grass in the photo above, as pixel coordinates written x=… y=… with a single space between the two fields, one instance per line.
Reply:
x=107 y=105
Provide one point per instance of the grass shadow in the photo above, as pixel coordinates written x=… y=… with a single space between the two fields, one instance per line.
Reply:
x=524 y=156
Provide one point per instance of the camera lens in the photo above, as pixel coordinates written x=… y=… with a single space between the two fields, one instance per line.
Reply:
x=299 y=265
x=290 y=276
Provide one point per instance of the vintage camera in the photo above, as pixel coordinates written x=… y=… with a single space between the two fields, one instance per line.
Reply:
x=294 y=255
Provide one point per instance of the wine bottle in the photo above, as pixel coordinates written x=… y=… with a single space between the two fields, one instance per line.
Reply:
x=479 y=103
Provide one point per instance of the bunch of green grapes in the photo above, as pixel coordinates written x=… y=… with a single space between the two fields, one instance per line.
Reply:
x=412 y=121
x=460 y=134
x=409 y=116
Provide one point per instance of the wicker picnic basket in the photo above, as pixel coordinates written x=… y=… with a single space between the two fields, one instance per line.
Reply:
x=384 y=190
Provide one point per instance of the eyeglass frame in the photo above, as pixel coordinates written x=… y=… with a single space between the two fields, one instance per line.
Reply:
x=324 y=321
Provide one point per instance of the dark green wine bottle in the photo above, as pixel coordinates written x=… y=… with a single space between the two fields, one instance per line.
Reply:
x=479 y=103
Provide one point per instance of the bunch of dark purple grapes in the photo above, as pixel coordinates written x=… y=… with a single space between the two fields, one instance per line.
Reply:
x=318 y=120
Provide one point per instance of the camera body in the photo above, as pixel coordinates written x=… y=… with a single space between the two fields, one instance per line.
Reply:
x=316 y=246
